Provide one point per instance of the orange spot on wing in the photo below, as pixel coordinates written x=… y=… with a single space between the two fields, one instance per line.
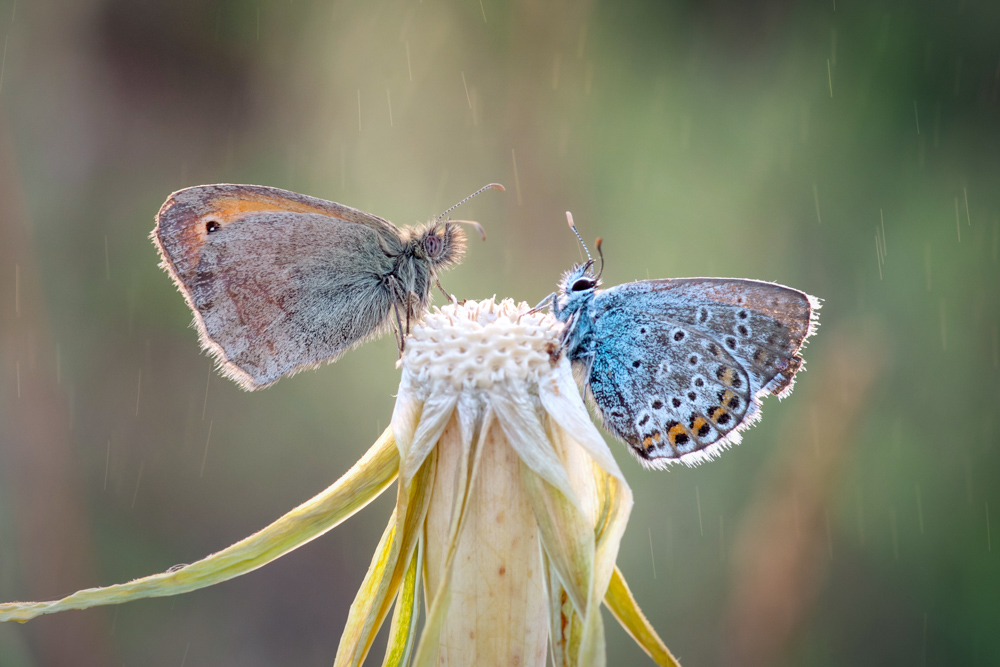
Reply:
x=230 y=209
x=674 y=431
x=227 y=210
x=715 y=413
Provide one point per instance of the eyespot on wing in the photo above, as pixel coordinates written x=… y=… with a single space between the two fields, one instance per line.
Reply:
x=188 y=216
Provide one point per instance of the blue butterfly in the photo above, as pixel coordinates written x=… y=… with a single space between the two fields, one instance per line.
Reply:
x=677 y=368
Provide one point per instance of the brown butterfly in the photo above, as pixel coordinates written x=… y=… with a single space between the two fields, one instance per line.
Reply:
x=280 y=282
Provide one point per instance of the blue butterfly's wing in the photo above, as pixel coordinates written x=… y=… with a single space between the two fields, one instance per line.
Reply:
x=679 y=366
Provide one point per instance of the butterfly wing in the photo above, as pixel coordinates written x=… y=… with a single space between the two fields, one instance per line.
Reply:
x=680 y=366
x=279 y=282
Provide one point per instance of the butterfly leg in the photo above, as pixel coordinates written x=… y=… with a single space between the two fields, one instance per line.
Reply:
x=398 y=329
x=400 y=332
x=541 y=304
x=567 y=329
x=443 y=291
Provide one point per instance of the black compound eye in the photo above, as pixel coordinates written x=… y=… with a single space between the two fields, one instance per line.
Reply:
x=433 y=245
x=583 y=284
x=212 y=226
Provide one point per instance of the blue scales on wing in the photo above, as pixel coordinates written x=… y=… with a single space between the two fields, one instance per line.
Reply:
x=679 y=366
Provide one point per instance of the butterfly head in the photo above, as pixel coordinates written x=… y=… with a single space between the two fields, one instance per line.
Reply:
x=579 y=283
x=577 y=288
x=579 y=280
x=442 y=245
x=574 y=304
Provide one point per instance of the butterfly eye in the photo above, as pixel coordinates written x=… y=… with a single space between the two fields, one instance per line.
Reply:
x=433 y=245
x=212 y=226
x=583 y=284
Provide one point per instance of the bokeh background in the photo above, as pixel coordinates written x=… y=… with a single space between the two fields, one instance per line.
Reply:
x=850 y=149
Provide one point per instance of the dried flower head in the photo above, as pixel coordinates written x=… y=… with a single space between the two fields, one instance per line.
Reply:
x=510 y=509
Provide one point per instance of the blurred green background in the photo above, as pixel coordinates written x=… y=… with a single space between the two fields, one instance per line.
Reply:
x=849 y=149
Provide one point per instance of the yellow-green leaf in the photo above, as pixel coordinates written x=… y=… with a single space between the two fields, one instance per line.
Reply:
x=404 y=616
x=391 y=560
x=623 y=606
x=358 y=486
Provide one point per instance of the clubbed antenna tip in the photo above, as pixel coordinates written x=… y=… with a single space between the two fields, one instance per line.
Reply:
x=569 y=219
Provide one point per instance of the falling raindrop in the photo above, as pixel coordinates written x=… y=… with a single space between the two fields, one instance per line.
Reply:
x=138 y=479
x=204 y=457
x=464 y=85
x=652 y=554
x=517 y=179
x=878 y=255
x=697 y=497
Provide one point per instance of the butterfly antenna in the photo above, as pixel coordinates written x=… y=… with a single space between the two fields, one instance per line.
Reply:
x=569 y=219
x=473 y=223
x=491 y=186
x=601 y=255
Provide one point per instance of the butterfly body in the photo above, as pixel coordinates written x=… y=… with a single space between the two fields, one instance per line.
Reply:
x=676 y=368
x=280 y=282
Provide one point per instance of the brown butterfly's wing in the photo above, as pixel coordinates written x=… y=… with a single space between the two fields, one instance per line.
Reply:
x=278 y=281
